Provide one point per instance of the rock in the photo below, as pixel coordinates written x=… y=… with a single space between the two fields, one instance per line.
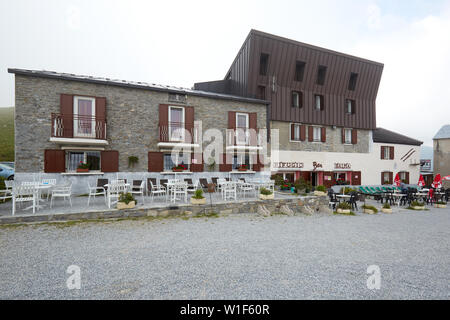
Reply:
x=286 y=210
x=307 y=210
x=262 y=211
x=325 y=209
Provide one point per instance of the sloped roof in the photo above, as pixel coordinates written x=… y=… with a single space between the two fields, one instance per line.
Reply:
x=387 y=136
x=443 y=133
x=131 y=84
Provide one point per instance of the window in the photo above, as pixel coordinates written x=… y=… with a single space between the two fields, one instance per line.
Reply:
x=263 y=63
x=317 y=134
x=297 y=99
x=385 y=153
x=402 y=175
x=350 y=106
x=340 y=176
x=176 y=123
x=174 y=159
x=321 y=72
x=386 y=178
x=319 y=104
x=348 y=135
x=299 y=70
x=261 y=92
x=352 y=81
x=241 y=159
x=295 y=133
x=75 y=158
x=84 y=117
x=241 y=128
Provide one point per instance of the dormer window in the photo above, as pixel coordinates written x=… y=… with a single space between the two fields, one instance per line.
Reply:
x=263 y=64
x=297 y=98
x=352 y=81
x=299 y=70
x=321 y=73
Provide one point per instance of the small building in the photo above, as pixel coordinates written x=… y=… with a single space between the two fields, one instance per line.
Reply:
x=426 y=164
x=441 y=153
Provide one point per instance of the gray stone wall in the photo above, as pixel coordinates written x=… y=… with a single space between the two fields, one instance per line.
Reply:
x=333 y=140
x=132 y=118
x=441 y=159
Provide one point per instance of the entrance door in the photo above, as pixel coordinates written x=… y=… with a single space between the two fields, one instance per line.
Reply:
x=314 y=178
x=356 y=178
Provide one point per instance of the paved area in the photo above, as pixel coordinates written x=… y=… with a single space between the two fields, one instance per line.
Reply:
x=232 y=257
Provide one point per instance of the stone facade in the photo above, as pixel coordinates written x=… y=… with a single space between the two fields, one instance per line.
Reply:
x=441 y=159
x=333 y=140
x=132 y=118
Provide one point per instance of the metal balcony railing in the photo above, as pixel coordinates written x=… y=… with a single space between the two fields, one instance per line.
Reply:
x=78 y=126
x=178 y=132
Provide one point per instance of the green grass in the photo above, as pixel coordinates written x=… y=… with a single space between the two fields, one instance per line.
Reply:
x=351 y=213
x=6 y=134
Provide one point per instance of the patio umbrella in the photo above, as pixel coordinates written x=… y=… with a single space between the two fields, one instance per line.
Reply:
x=397 y=180
x=421 y=181
x=437 y=183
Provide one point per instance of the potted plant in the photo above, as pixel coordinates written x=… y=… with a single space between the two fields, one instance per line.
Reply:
x=320 y=191
x=369 y=209
x=416 y=205
x=179 y=168
x=440 y=204
x=242 y=167
x=83 y=167
x=265 y=194
x=386 y=208
x=132 y=160
x=126 y=201
x=285 y=186
x=344 y=207
x=198 y=197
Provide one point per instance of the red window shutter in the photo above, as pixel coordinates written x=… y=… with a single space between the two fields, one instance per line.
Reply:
x=189 y=124
x=257 y=165
x=322 y=103
x=302 y=132
x=354 y=136
x=110 y=161
x=382 y=152
x=407 y=177
x=300 y=99
x=163 y=122
x=323 y=134
x=155 y=162
x=391 y=153
x=231 y=120
x=343 y=135
x=310 y=134
x=226 y=164
x=66 y=109
x=252 y=120
x=54 y=161
x=198 y=166
x=292 y=131
x=100 y=115
x=353 y=106
x=391 y=177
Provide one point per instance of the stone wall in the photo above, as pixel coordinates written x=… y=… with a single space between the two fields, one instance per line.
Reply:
x=333 y=140
x=132 y=118
x=441 y=159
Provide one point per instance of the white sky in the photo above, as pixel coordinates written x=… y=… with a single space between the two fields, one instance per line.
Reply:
x=182 y=42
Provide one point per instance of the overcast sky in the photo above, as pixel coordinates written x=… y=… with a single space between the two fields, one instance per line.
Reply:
x=182 y=42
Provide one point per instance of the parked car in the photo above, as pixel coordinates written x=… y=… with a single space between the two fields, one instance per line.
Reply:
x=6 y=172
x=9 y=164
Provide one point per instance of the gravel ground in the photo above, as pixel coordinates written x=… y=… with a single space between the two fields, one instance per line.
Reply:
x=232 y=257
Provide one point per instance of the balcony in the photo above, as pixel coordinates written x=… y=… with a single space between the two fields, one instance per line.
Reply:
x=244 y=139
x=78 y=129
x=178 y=133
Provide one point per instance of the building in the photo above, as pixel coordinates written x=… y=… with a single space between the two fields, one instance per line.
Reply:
x=441 y=154
x=129 y=129
x=426 y=164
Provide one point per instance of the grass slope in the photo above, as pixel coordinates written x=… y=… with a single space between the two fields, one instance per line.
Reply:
x=6 y=134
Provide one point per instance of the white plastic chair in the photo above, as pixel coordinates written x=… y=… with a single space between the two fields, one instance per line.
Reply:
x=114 y=191
x=229 y=191
x=158 y=190
x=245 y=188
x=51 y=182
x=138 y=189
x=7 y=193
x=64 y=191
x=96 y=191
x=25 y=193
x=179 y=189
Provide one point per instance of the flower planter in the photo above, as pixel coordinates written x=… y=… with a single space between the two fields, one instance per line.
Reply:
x=198 y=201
x=123 y=205
x=343 y=210
x=319 y=193
x=440 y=206
x=386 y=210
x=82 y=170
x=418 y=208
x=266 y=196
x=369 y=211
x=241 y=169
x=177 y=170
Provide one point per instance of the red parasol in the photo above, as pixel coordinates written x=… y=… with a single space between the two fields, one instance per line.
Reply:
x=397 y=180
x=437 y=183
x=421 y=181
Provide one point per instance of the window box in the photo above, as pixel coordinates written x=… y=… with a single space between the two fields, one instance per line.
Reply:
x=123 y=205
x=82 y=170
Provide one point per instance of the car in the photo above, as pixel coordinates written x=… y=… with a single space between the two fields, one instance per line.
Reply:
x=6 y=172
x=9 y=164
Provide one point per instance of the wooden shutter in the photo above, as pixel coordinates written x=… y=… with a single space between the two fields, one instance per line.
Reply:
x=100 y=118
x=302 y=132
x=407 y=177
x=382 y=152
x=226 y=164
x=353 y=106
x=155 y=162
x=343 y=135
x=197 y=167
x=391 y=177
x=292 y=131
x=66 y=110
x=356 y=178
x=232 y=120
x=163 y=122
x=354 y=136
x=252 y=124
x=322 y=103
x=54 y=161
x=382 y=178
x=310 y=133
x=323 y=134
x=300 y=99
x=391 y=153
x=110 y=161
x=189 y=124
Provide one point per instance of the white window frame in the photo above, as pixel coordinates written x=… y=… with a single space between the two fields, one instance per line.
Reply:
x=75 y=121
x=297 y=127
x=241 y=160
x=402 y=175
x=182 y=133
x=317 y=99
x=349 y=141
x=177 y=160
x=384 y=176
x=246 y=132
x=319 y=129
x=349 y=106
x=67 y=156
x=297 y=99
x=386 y=153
